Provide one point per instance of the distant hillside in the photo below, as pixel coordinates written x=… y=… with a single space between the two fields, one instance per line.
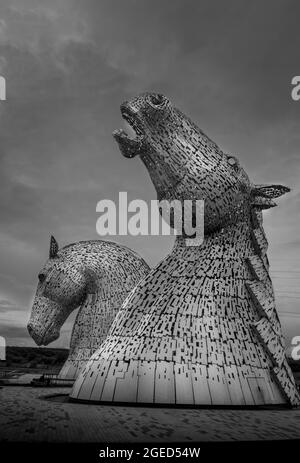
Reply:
x=35 y=357
x=294 y=364
x=44 y=357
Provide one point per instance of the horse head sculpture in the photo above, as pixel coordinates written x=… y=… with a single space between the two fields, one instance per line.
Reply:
x=94 y=276
x=202 y=328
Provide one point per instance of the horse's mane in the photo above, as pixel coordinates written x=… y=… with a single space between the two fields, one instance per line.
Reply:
x=109 y=243
x=268 y=327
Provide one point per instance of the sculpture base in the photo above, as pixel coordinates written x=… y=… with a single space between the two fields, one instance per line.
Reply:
x=170 y=383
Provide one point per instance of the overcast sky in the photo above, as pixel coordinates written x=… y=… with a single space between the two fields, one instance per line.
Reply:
x=68 y=66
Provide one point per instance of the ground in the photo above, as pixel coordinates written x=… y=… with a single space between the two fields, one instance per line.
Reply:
x=27 y=414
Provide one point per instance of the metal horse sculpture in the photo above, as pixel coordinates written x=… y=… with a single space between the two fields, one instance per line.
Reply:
x=202 y=327
x=95 y=276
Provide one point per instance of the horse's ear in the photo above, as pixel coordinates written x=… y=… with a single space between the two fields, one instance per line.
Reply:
x=53 y=248
x=262 y=195
x=270 y=191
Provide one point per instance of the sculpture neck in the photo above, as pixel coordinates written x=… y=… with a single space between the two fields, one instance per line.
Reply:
x=102 y=304
x=227 y=242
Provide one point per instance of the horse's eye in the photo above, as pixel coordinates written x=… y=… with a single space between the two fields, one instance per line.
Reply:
x=157 y=99
x=233 y=162
x=41 y=277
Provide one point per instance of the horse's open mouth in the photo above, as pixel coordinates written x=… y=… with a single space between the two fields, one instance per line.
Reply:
x=130 y=143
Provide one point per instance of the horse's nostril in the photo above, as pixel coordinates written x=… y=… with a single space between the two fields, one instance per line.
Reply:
x=34 y=333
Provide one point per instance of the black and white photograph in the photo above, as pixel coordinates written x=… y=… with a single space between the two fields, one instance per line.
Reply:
x=150 y=223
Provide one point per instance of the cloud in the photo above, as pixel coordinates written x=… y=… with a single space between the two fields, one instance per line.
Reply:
x=40 y=25
x=68 y=66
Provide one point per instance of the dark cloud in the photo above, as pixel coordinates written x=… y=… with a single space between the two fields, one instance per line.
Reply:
x=70 y=63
